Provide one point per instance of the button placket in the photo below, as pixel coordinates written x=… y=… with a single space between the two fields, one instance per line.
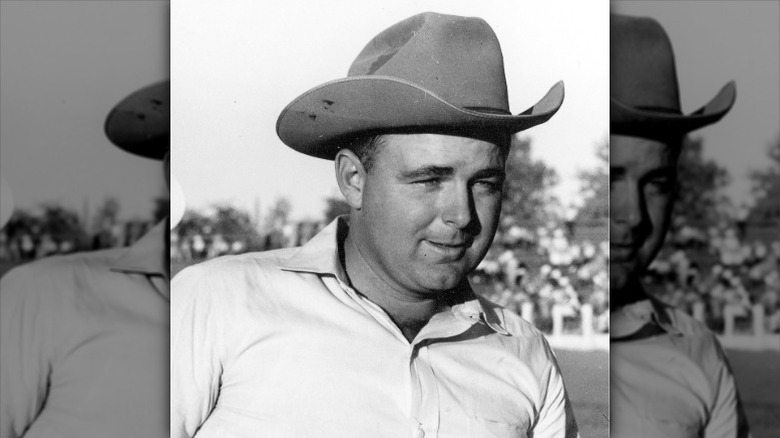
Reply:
x=425 y=394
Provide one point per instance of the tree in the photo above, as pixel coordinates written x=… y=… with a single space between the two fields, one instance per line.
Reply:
x=699 y=197
x=234 y=224
x=278 y=215
x=336 y=206
x=766 y=187
x=527 y=197
x=192 y=223
x=594 y=189
x=107 y=214
x=62 y=224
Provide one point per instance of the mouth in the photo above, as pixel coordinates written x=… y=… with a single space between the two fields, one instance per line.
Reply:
x=621 y=252
x=450 y=250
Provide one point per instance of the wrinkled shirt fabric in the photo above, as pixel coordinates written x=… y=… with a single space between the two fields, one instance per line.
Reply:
x=669 y=377
x=278 y=344
x=84 y=344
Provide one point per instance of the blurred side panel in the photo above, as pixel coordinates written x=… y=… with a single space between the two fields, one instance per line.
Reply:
x=83 y=245
x=715 y=279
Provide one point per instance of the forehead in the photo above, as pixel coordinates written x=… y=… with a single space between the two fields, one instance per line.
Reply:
x=640 y=153
x=410 y=150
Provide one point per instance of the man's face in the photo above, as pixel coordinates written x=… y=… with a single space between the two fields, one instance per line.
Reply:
x=642 y=184
x=430 y=208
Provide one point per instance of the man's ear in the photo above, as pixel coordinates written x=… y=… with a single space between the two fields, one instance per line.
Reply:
x=351 y=177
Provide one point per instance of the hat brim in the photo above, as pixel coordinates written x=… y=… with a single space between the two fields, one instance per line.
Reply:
x=628 y=120
x=140 y=123
x=314 y=122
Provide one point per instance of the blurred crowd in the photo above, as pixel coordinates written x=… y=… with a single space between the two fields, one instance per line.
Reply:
x=31 y=237
x=205 y=241
x=547 y=266
x=719 y=267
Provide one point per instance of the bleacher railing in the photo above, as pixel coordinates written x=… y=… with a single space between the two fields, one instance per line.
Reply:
x=743 y=329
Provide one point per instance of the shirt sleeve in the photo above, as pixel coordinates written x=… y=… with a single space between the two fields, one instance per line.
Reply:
x=196 y=348
x=556 y=416
x=727 y=417
x=26 y=348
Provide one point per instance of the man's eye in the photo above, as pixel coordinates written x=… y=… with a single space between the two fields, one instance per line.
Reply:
x=429 y=182
x=492 y=186
x=662 y=185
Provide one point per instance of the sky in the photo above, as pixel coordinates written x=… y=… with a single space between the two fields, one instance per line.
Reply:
x=63 y=66
x=237 y=64
x=715 y=42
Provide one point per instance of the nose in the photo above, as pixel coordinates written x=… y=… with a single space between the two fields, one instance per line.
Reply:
x=626 y=206
x=458 y=208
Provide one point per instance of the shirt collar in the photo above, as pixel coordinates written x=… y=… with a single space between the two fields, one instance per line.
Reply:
x=629 y=319
x=146 y=256
x=320 y=255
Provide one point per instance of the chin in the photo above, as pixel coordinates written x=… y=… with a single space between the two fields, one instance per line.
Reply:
x=439 y=281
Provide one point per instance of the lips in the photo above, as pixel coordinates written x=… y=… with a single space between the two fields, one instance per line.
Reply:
x=450 y=250
x=621 y=252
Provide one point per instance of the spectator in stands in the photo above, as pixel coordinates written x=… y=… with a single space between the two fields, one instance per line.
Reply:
x=84 y=337
x=647 y=392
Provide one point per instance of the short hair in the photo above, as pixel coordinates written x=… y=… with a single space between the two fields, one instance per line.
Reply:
x=366 y=148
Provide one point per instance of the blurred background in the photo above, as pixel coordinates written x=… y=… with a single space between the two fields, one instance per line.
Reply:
x=721 y=258
x=63 y=66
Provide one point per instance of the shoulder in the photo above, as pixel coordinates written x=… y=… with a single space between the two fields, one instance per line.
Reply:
x=229 y=267
x=229 y=277
x=58 y=287
x=58 y=274
x=696 y=339
x=529 y=341
x=685 y=323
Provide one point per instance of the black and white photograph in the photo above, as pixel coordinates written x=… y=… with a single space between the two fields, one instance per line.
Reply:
x=394 y=219
x=695 y=218
x=84 y=130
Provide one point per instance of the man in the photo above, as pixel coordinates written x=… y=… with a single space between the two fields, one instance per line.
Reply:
x=371 y=328
x=669 y=375
x=84 y=337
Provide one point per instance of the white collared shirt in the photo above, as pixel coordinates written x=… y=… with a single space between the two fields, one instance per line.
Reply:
x=277 y=344
x=673 y=382
x=84 y=344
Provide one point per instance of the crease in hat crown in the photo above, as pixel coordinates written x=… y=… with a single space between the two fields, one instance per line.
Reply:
x=644 y=88
x=140 y=123
x=429 y=71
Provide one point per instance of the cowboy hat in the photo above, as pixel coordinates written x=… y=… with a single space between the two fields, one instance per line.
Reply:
x=644 y=94
x=6 y=202
x=140 y=123
x=428 y=73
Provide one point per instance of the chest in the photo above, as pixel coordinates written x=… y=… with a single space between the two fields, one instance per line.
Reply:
x=351 y=377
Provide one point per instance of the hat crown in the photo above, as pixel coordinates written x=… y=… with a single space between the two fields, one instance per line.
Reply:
x=457 y=58
x=642 y=65
x=140 y=123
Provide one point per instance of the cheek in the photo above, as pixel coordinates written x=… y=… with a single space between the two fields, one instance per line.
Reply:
x=395 y=213
x=659 y=213
x=488 y=209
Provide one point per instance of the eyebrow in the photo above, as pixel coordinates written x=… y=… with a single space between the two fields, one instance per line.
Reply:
x=662 y=171
x=428 y=171
x=441 y=171
x=491 y=173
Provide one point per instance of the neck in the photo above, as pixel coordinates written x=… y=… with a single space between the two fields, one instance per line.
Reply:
x=630 y=292
x=409 y=311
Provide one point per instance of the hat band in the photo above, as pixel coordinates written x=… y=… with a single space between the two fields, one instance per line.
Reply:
x=489 y=110
x=659 y=109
